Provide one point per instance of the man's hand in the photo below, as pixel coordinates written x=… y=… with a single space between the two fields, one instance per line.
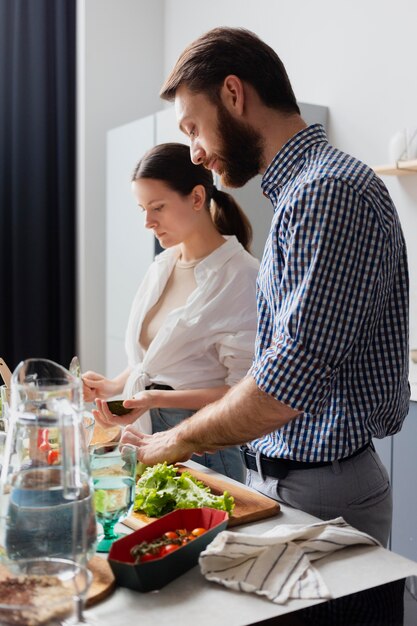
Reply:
x=243 y=414
x=159 y=447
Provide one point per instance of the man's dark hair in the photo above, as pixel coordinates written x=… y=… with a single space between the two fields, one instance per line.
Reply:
x=206 y=62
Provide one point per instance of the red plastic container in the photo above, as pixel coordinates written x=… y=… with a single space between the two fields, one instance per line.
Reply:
x=156 y=574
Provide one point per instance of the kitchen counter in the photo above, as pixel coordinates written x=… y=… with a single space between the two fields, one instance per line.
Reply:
x=191 y=600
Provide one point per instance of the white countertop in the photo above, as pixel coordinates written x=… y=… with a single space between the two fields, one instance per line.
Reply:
x=191 y=600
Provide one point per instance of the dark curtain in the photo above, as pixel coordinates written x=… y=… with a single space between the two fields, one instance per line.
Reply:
x=37 y=180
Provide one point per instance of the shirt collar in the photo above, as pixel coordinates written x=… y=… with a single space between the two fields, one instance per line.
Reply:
x=214 y=261
x=282 y=167
x=210 y=263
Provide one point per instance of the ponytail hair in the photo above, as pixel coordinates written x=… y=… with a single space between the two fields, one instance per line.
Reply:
x=171 y=164
x=229 y=218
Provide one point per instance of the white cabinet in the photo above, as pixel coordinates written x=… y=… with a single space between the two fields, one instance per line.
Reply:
x=398 y=453
x=166 y=127
x=384 y=448
x=129 y=246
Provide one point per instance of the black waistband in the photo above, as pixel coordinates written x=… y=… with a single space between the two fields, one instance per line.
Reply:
x=156 y=386
x=279 y=468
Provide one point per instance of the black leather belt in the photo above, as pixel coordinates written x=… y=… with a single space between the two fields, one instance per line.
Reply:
x=156 y=386
x=279 y=468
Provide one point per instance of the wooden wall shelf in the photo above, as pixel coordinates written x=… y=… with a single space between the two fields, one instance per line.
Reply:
x=401 y=168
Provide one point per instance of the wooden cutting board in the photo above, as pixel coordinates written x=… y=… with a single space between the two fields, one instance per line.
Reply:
x=250 y=506
x=105 y=435
x=102 y=585
x=103 y=582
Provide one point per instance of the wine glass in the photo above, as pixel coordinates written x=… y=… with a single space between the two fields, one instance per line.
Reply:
x=113 y=470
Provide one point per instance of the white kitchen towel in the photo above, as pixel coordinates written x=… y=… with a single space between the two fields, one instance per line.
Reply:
x=278 y=563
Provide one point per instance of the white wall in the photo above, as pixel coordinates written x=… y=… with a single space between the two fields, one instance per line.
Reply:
x=120 y=60
x=357 y=58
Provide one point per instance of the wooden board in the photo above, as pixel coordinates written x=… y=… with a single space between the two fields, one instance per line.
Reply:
x=105 y=435
x=103 y=582
x=250 y=506
x=102 y=585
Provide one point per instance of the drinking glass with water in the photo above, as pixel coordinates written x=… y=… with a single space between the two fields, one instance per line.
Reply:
x=113 y=468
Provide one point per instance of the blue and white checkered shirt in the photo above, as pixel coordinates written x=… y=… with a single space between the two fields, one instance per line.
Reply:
x=332 y=335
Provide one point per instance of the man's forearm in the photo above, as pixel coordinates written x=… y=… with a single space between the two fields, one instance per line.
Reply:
x=243 y=414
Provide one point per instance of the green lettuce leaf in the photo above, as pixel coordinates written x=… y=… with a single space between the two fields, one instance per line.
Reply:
x=162 y=488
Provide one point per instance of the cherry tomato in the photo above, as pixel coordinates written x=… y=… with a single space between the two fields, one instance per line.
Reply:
x=171 y=535
x=198 y=531
x=44 y=446
x=148 y=556
x=53 y=457
x=170 y=547
x=185 y=540
x=43 y=440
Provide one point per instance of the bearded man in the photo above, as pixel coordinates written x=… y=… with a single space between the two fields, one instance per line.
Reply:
x=330 y=369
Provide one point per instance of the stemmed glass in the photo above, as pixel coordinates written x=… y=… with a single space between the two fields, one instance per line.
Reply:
x=113 y=469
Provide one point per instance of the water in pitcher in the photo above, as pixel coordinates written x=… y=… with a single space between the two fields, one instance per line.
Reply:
x=42 y=522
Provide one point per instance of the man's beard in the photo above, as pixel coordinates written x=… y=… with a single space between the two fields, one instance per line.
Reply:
x=242 y=150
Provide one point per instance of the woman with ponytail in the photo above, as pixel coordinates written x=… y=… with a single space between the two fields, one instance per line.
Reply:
x=192 y=325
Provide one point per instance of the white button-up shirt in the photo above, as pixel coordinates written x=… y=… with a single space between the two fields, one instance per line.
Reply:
x=208 y=342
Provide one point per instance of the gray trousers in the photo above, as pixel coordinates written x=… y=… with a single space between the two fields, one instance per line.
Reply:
x=357 y=489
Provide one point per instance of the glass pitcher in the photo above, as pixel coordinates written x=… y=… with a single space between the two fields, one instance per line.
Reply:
x=46 y=492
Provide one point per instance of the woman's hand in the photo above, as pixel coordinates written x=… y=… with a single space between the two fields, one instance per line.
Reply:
x=140 y=404
x=97 y=386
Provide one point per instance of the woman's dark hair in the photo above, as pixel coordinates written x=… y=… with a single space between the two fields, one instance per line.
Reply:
x=206 y=62
x=171 y=163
